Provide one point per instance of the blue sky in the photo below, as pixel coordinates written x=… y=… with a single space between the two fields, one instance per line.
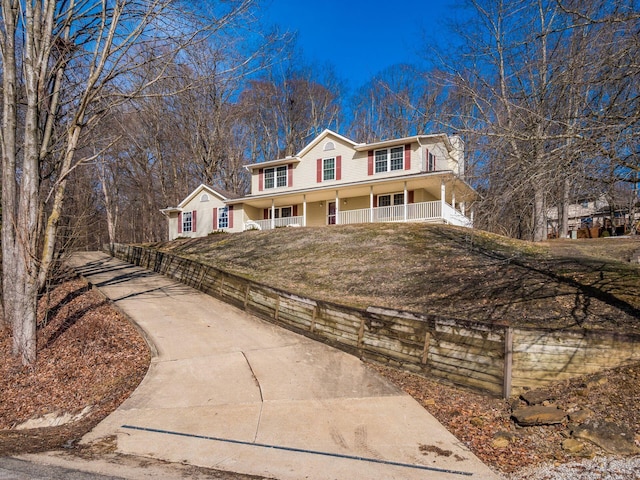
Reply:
x=358 y=37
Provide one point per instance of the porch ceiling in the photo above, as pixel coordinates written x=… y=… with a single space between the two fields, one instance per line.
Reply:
x=430 y=182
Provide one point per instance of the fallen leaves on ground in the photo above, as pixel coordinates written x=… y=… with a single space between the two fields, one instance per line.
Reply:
x=477 y=419
x=88 y=355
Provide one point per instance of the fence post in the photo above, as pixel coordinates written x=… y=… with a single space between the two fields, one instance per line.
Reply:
x=508 y=362
x=246 y=294
x=425 y=350
x=361 y=332
x=312 y=326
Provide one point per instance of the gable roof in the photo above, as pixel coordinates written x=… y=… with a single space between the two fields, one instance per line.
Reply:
x=323 y=135
x=221 y=194
x=296 y=158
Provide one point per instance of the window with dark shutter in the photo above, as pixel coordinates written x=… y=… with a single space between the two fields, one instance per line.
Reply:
x=223 y=218
x=187 y=222
x=389 y=159
x=328 y=169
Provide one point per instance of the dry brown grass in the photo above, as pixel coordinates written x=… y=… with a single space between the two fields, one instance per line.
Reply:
x=441 y=270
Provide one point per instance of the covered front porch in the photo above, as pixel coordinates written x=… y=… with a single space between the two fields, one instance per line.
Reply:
x=424 y=198
x=434 y=211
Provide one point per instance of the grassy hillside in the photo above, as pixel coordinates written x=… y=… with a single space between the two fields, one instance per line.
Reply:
x=441 y=270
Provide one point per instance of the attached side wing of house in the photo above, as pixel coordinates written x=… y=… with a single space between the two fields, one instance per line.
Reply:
x=334 y=180
x=202 y=212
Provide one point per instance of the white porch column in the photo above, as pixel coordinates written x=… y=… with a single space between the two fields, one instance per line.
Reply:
x=405 y=201
x=304 y=210
x=273 y=214
x=337 y=208
x=453 y=199
x=443 y=196
x=463 y=208
x=371 y=203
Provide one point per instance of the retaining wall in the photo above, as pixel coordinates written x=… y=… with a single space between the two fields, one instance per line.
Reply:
x=499 y=360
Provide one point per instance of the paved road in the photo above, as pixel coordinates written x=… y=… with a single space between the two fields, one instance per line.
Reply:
x=113 y=466
x=226 y=390
x=16 y=469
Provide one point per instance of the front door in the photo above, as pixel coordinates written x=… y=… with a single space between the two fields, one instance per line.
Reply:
x=331 y=216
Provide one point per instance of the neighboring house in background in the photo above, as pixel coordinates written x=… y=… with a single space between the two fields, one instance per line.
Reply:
x=591 y=216
x=334 y=180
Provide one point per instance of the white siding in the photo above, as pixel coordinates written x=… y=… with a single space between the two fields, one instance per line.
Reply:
x=204 y=216
x=354 y=164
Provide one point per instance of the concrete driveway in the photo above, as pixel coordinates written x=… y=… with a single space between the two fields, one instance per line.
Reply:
x=227 y=390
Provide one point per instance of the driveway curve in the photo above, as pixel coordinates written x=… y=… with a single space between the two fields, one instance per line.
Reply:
x=229 y=391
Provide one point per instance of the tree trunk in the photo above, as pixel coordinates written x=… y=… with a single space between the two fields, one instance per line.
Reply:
x=25 y=305
x=110 y=206
x=539 y=215
x=564 y=220
x=9 y=140
x=51 y=230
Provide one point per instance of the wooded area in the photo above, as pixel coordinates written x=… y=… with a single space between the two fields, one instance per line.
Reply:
x=115 y=109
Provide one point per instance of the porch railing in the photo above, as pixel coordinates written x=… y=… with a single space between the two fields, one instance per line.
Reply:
x=454 y=217
x=296 y=221
x=415 y=212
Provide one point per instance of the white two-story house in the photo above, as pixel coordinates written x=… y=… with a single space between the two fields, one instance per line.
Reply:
x=334 y=180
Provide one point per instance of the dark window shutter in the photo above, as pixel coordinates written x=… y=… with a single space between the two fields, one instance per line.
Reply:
x=319 y=170
x=370 y=162
x=230 y=216
x=266 y=214
x=295 y=210
x=193 y=221
x=215 y=218
x=261 y=179
x=290 y=175
x=407 y=156
x=180 y=222
x=375 y=201
x=410 y=196
x=338 y=167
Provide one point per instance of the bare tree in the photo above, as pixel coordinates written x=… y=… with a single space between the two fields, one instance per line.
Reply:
x=284 y=111
x=550 y=90
x=400 y=101
x=72 y=62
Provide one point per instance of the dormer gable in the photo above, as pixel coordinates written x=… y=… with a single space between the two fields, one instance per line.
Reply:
x=204 y=192
x=328 y=137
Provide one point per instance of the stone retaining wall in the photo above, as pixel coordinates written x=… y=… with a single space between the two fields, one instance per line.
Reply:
x=499 y=360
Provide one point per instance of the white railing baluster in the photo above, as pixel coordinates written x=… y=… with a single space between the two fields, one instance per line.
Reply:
x=423 y=211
